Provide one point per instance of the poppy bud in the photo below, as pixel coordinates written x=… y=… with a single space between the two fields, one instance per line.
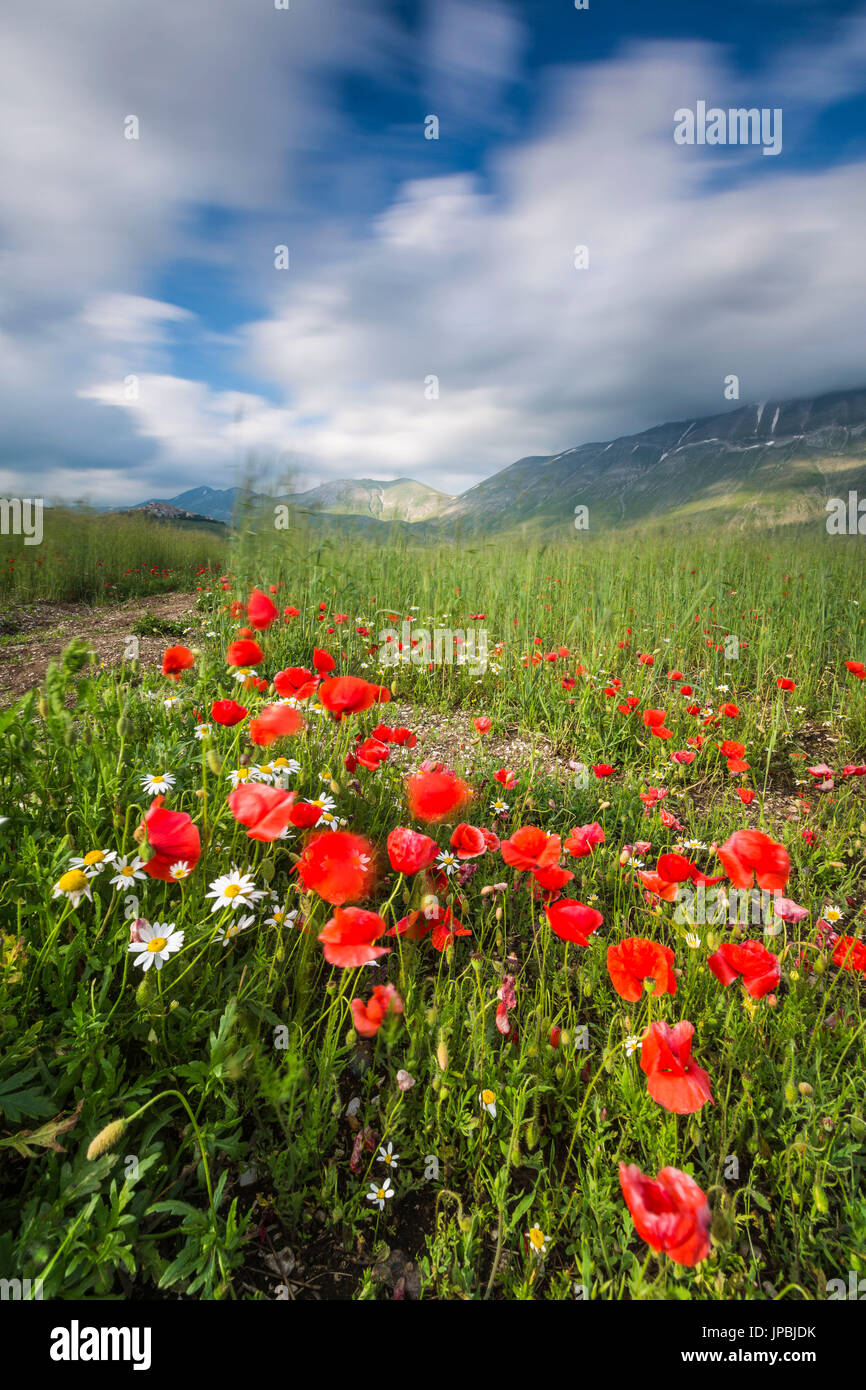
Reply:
x=351 y=1038
x=214 y=761
x=125 y=727
x=442 y=1056
x=42 y=706
x=106 y=1139
x=858 y=1127
x=820 y=1198
x=266 y=869
x=335 y=787
x=805 y=1089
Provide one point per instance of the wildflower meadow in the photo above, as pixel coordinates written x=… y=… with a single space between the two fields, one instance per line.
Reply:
x=342 y=961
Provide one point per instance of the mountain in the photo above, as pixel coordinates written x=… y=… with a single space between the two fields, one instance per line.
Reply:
x=401 y=499
x=771 y=463
x=774 y=462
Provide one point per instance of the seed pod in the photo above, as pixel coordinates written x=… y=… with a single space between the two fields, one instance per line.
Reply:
x=442 y=1055
x=805 y=1089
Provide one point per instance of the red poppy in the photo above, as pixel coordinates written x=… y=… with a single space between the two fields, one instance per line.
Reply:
x=227 y=712
x=670 y=1212
x=552 y=879
x=266 y=810
x=337 y=865
x=531 y=848
x=683 y=757
x=506 y=777
x=673 y=1079
x=348 y=937
x=368 y=1018
x=173 y=839
x=260 y=610
x=175 y=660
x=404 y=737
x=273 y=722
x=582 y=839
x=785 y=684
x=483 y=724
x=730 y=711
x=654 y=719
x=434 y=796
x=323 y=661
x=409 y=851
x=291 y=612
x=573 y=921
x=746 y=795
x=244 y=653
x=602 y=769
x=759 y=967
x=857 y=668
x=296 y=683
x=850 y=954
x=446 y=928
x=468 y=841
x=636 y=959
x=670 y=871
x=344 y=695
x=751 y=852
x=368 y=753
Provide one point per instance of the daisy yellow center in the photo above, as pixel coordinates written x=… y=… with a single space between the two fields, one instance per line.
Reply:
x=94 y=857
x=243 y=774
x=72 y=882
x=487 y=1097
x=127 y=871
x=381 y=1194
x=157 y=943
x=232 y=890
x=536 y=1238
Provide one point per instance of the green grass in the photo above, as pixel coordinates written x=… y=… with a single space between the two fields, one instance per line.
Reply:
x=245 y=1055
x=85 y=557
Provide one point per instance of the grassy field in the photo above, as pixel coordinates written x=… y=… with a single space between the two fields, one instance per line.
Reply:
x=226 y=1124
x=93 y=558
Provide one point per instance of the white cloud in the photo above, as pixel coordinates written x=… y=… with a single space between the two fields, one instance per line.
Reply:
x=466 y=277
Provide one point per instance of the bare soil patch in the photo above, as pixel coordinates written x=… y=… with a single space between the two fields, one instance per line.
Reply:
x=46 y=628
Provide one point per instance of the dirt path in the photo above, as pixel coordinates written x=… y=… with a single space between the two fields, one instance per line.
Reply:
x=47 y=628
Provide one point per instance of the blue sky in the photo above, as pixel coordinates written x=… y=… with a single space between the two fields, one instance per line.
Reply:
x=149 y=344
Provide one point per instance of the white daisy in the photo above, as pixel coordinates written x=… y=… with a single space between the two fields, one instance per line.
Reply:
x=631 y=1044
x=202 y=730
x=74 y=885
x=499 y=807
x=182 y=869
x=280 y=917
x=264 y=772
x=156 y=782
x=447 y=861
x=128 y=872
x=538 y=1241
x=234 y=890
x=233 y=929
x=95 y=861
x=379 y=1195
x=155 y=944
x=387 y=1155
x=488 y=1102
x=245 y=673
x=240 y=774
